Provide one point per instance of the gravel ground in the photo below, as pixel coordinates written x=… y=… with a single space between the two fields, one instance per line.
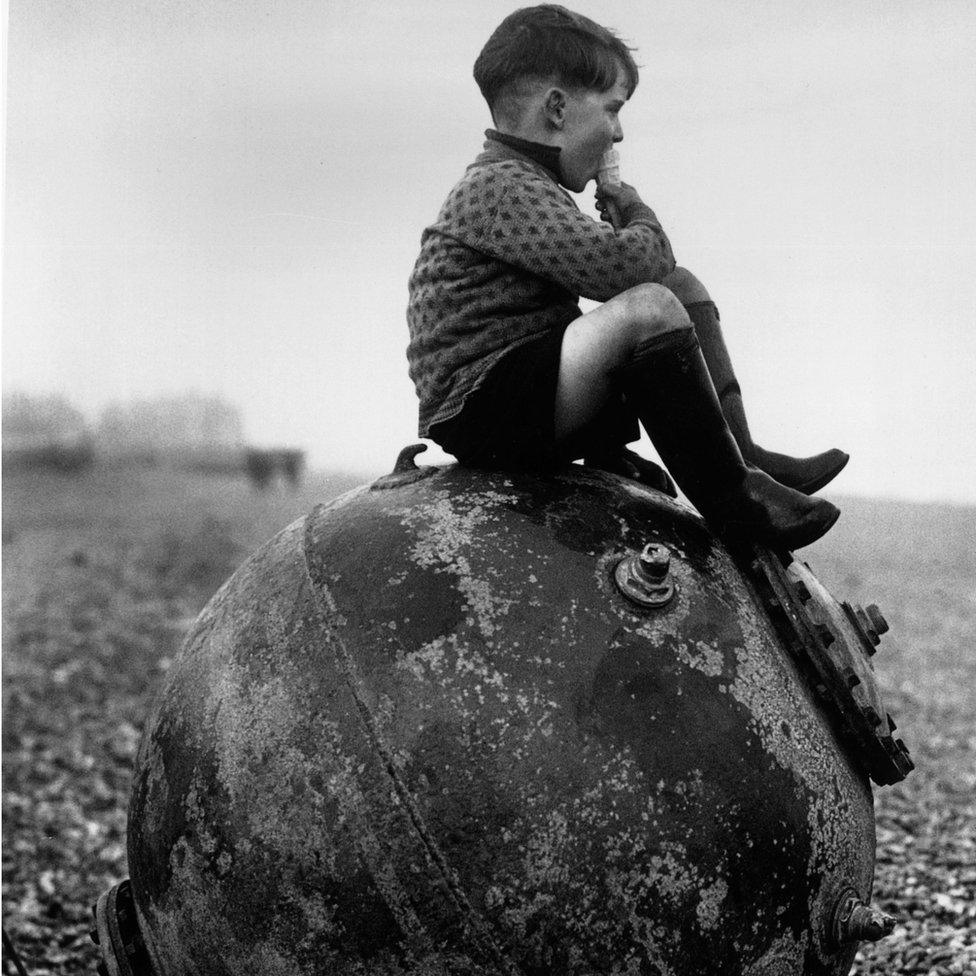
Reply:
x=103 y=573
x=918 y=563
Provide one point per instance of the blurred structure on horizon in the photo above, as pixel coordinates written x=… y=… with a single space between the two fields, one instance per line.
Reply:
x=45 y=431
x=190 y=432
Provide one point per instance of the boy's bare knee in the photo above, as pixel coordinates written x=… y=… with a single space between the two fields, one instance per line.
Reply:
x=646 y=303
x=650 y=310
x=598 y=343
x=686 y=287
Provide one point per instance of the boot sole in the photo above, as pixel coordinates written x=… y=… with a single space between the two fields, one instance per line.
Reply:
x=815 y=532
x=747 y=531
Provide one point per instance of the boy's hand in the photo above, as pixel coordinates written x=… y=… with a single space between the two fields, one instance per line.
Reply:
x=614 y=199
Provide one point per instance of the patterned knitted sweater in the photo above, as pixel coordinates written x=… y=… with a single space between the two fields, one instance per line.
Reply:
x=508 y=258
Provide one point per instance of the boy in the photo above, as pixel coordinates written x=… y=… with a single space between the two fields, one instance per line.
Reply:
x=508 y=371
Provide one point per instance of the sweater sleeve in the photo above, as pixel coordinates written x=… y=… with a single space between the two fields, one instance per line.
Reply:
x=532 y=224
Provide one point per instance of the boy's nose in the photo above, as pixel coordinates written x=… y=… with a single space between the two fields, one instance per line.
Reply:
x=618 y=133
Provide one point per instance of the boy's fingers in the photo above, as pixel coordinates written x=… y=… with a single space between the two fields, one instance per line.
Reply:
x=613 y=190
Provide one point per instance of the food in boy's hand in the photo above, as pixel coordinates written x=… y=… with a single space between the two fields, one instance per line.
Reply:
x=609 y=175
x=609 y=171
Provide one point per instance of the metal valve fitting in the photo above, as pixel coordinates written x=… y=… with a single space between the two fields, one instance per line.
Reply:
x=644 y=578
x=854 y=921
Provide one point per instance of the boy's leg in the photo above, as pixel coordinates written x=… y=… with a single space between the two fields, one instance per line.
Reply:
x=597 y=344
x=642 y=342
x=805 y=474
x=592 y=419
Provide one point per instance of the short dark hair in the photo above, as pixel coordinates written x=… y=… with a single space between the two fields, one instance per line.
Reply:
x=550 y=41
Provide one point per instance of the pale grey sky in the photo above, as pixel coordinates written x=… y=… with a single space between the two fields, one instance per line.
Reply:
x=228 y=196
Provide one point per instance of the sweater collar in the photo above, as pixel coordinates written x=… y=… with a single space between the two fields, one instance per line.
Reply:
x=546 y=156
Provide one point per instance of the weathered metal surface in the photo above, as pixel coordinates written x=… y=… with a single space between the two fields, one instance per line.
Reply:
x=423 y=732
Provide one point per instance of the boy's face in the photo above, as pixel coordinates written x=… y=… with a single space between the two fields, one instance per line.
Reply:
x=592 y=126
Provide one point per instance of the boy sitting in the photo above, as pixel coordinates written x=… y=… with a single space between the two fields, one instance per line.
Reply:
x=508 y=370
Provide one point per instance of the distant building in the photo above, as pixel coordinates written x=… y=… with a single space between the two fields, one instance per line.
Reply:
x=190 y=432
x=44 y=432
x=194 y=431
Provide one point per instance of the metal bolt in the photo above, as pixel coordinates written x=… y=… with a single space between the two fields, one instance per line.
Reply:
x=854 y=921
x=877 y=619
x=644 y=578
x=868 y=924
x=654 y=562
x=851 y=678
x=871 y=715
x=825 y=634
x=866 y=627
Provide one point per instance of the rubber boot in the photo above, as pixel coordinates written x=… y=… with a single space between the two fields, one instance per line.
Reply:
x=669 y=386
x=631 y=465
x=602 y=443
x=807 y=474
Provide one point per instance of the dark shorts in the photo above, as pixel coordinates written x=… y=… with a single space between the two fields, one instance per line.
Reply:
x=508 y=421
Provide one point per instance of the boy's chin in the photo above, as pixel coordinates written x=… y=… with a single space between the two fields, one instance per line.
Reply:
x=578 y=185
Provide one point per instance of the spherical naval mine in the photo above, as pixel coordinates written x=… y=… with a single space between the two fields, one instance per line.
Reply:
x=423 y=732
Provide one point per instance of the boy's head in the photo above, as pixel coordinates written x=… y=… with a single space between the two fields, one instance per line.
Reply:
x=553 y=76
x=535 y=45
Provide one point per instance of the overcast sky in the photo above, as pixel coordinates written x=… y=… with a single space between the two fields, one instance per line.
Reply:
x=228 y=196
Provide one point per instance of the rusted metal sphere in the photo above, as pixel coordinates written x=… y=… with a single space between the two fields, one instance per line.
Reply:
x=424 y=731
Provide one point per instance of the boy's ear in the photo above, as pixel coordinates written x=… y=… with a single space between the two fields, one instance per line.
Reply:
x=554 y=106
